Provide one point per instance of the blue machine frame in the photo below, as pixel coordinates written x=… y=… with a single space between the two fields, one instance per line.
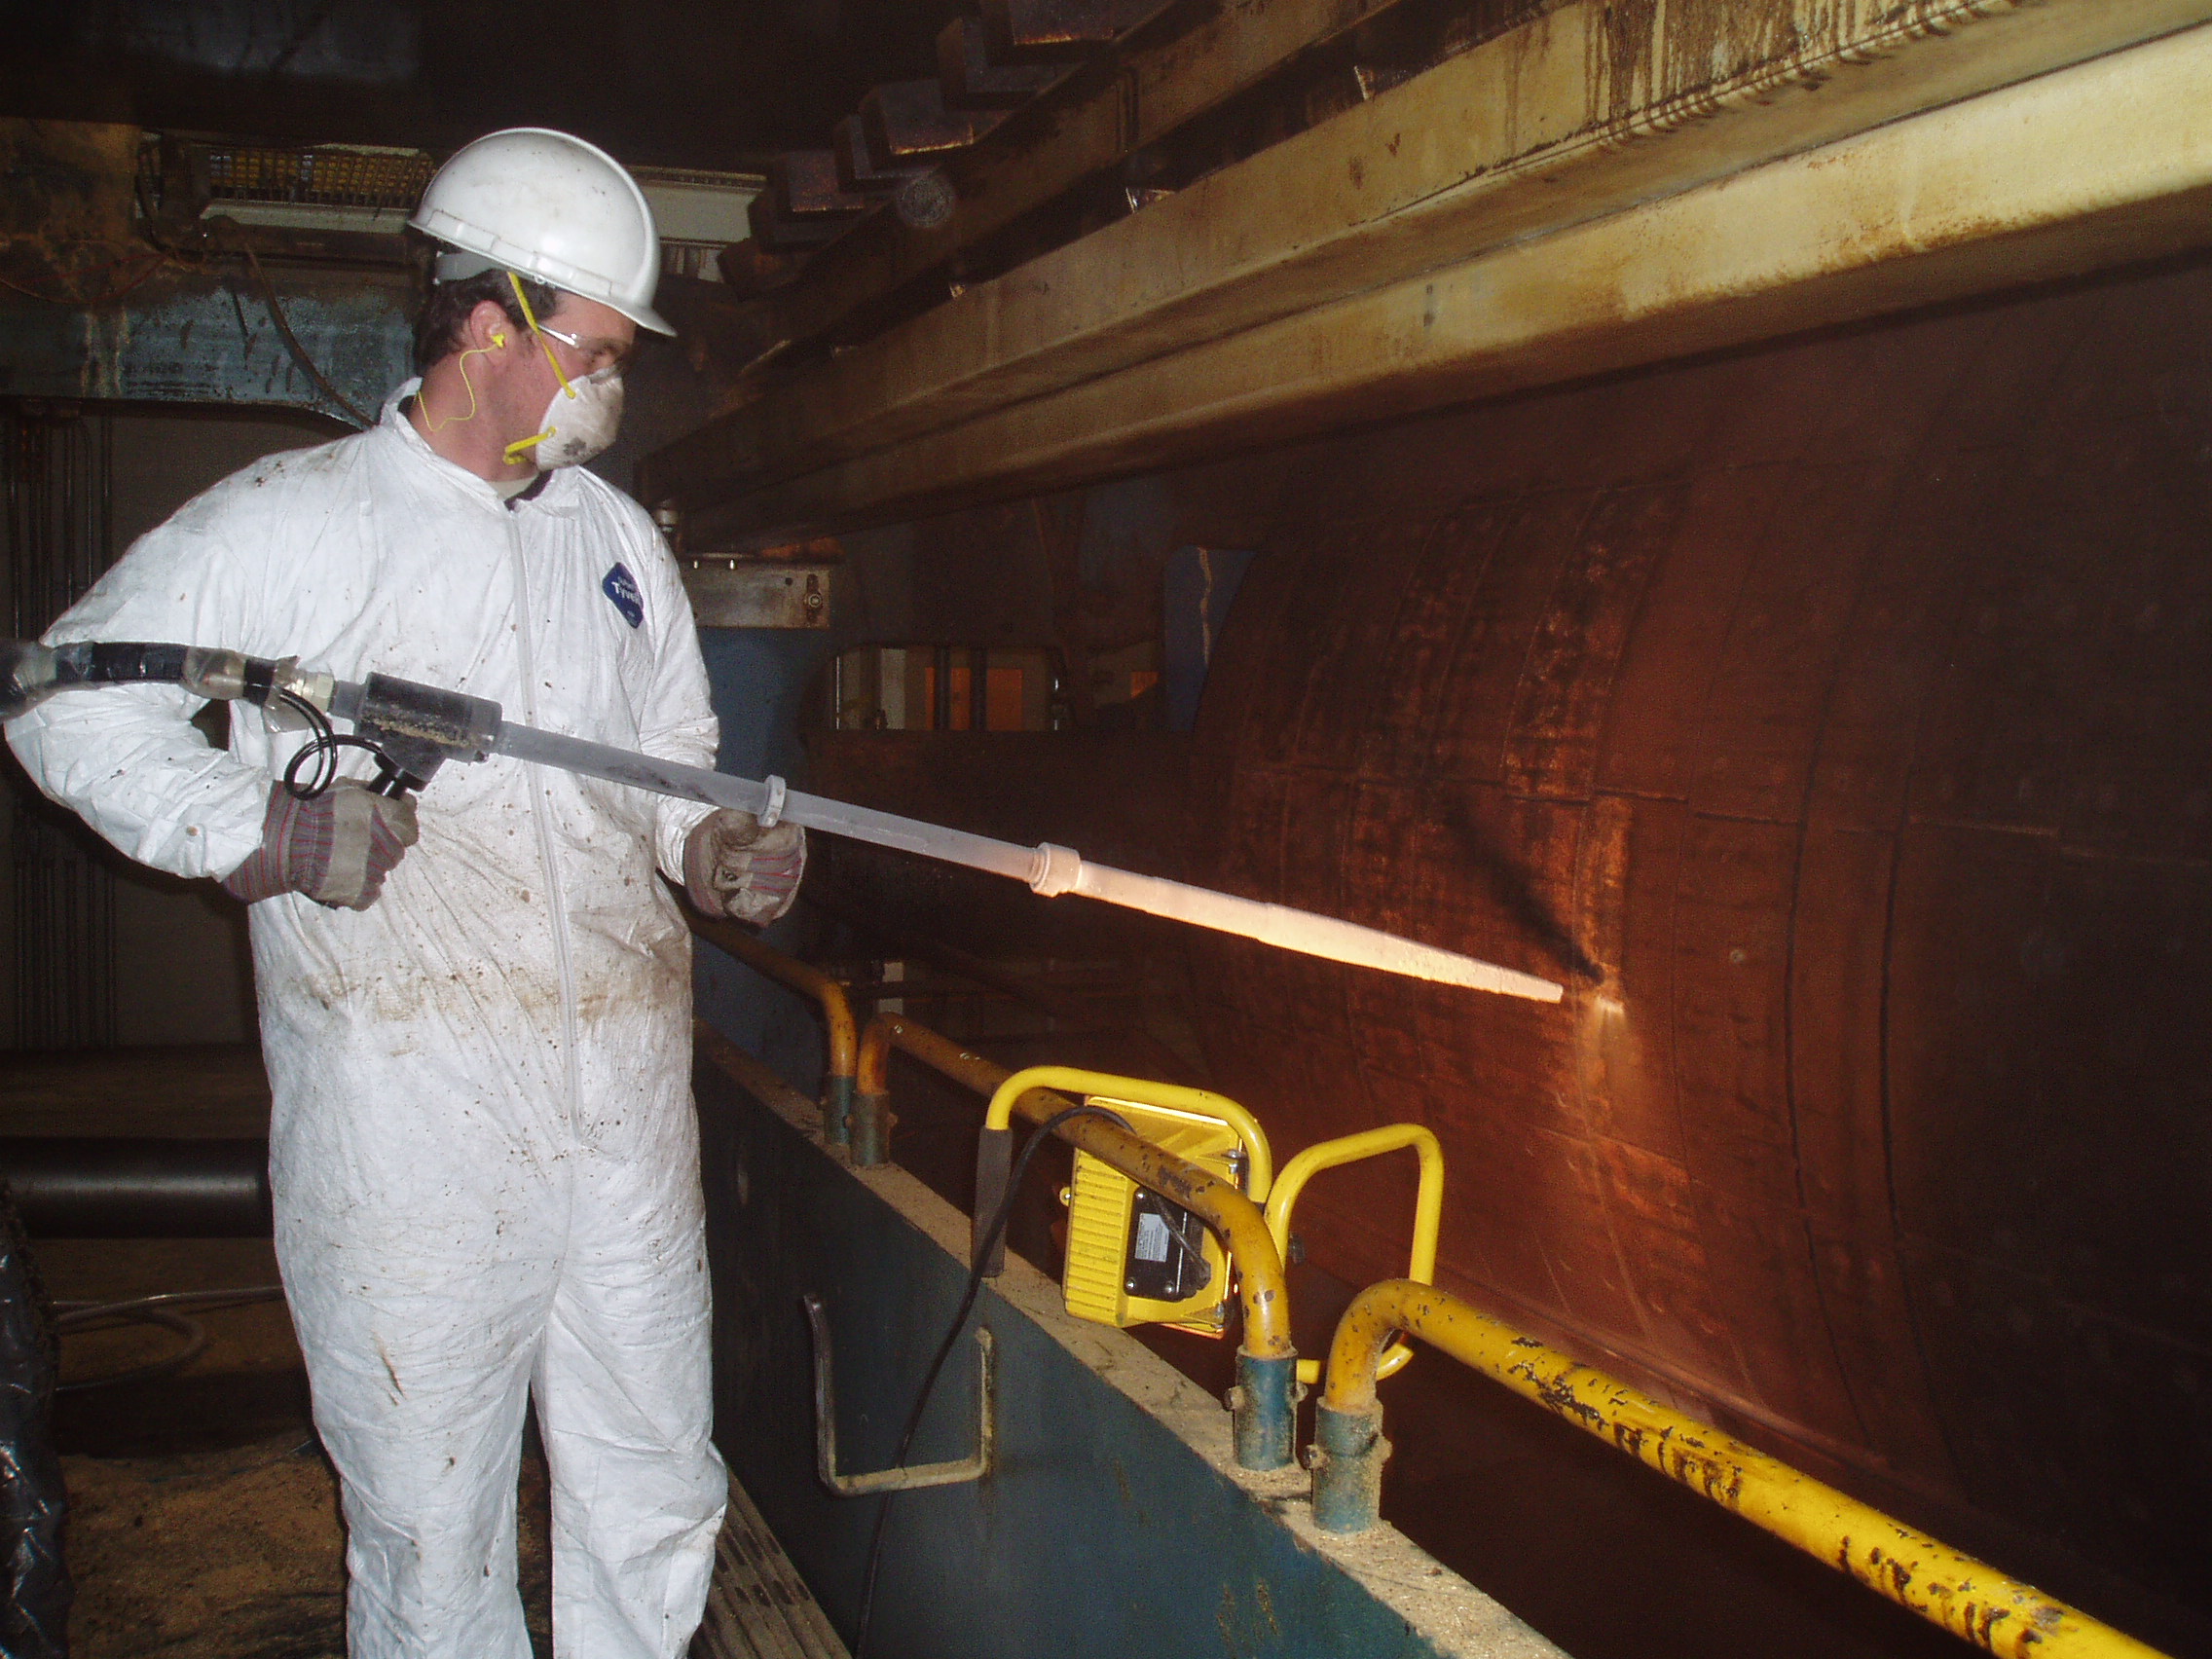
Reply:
x=1114 y=1524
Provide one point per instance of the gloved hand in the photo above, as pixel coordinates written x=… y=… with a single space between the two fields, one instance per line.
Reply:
x=337 y=848
x=733 y=867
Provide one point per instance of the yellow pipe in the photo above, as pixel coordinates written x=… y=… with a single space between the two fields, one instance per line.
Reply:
x=1143 y=1091
x=1428 y=1209
x=836 y=1007
x=888 y=1031
x=1966 y=1597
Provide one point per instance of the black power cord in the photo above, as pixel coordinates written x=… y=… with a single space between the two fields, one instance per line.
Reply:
x=322 y=748
x=975 y=1278
x=164 y=1310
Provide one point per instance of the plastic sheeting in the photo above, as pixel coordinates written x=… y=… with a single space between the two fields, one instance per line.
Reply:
x=34 y=1601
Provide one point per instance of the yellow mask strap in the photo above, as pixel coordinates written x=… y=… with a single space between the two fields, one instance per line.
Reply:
x=531 y=317
x=513 y=452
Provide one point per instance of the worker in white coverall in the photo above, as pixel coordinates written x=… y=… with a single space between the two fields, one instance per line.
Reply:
x=483 y=1153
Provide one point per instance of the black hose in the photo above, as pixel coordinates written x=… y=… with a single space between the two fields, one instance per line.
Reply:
x=31 y=672
x=74 y=1317
x=118 y=662
x=985 y=1250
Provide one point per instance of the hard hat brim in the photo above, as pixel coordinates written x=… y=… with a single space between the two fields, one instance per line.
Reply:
x=645 y=316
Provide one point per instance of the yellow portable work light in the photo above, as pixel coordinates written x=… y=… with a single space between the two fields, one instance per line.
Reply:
x=1134 y=1258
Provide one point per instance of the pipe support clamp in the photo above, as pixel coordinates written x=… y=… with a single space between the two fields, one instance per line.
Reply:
x=1346 y=1459
x=1264 y=1410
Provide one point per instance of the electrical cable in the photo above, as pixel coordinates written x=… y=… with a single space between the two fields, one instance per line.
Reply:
x=322 y=747
x=298 y=351
x=74 y=1317
x=975 y=1277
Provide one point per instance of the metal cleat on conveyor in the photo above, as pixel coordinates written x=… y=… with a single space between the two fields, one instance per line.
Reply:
x=778 y=231
x=805 y=205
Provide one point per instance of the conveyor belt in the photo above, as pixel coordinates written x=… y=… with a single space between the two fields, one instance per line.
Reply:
x=760 y=1607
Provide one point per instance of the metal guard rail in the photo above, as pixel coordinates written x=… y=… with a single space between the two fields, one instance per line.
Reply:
x=1966 y=1597
x=810 y=981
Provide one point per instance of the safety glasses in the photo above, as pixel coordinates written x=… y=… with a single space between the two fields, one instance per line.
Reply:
x=596 y=353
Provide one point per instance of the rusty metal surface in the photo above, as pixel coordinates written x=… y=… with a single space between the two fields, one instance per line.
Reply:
x=859 y=168
x=727 y=593
x=804 y=204
x=805 y=183
x=1040 y=31
x=908 y=119
x=970 y=80
x=1836 y=720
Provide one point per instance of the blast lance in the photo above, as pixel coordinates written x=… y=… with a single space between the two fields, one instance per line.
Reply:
x=412 y=729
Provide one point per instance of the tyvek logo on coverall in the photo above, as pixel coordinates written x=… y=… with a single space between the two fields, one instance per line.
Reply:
x=622 y=588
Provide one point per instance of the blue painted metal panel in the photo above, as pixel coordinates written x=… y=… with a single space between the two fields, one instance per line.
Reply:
x=1102 y=1535
x=209 y=339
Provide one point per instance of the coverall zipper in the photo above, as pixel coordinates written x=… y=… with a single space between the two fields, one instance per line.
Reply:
x=539 y=815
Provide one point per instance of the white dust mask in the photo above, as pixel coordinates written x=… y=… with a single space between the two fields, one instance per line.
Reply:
x=582 y=418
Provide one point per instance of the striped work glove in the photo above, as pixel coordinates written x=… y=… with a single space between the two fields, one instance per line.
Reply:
x=337 y=847
x=733 y=867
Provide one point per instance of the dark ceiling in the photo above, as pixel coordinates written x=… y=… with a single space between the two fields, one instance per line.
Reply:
x=667 y=82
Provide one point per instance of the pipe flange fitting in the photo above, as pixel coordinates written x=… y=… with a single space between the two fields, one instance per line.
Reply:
x=1056 y=871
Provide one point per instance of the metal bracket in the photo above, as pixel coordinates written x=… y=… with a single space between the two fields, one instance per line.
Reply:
x=914 y=1475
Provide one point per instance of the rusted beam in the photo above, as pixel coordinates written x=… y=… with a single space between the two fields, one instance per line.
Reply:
x=2068 y=173
x=1501 y=145
x=1077 y=127
x=970 y=80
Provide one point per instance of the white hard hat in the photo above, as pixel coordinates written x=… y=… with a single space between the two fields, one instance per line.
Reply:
x=551 y=206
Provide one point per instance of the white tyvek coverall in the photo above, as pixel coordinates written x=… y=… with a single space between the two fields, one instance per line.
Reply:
x=483 y=1154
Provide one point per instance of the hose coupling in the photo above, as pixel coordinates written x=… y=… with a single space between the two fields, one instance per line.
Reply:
x=1056 y=871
